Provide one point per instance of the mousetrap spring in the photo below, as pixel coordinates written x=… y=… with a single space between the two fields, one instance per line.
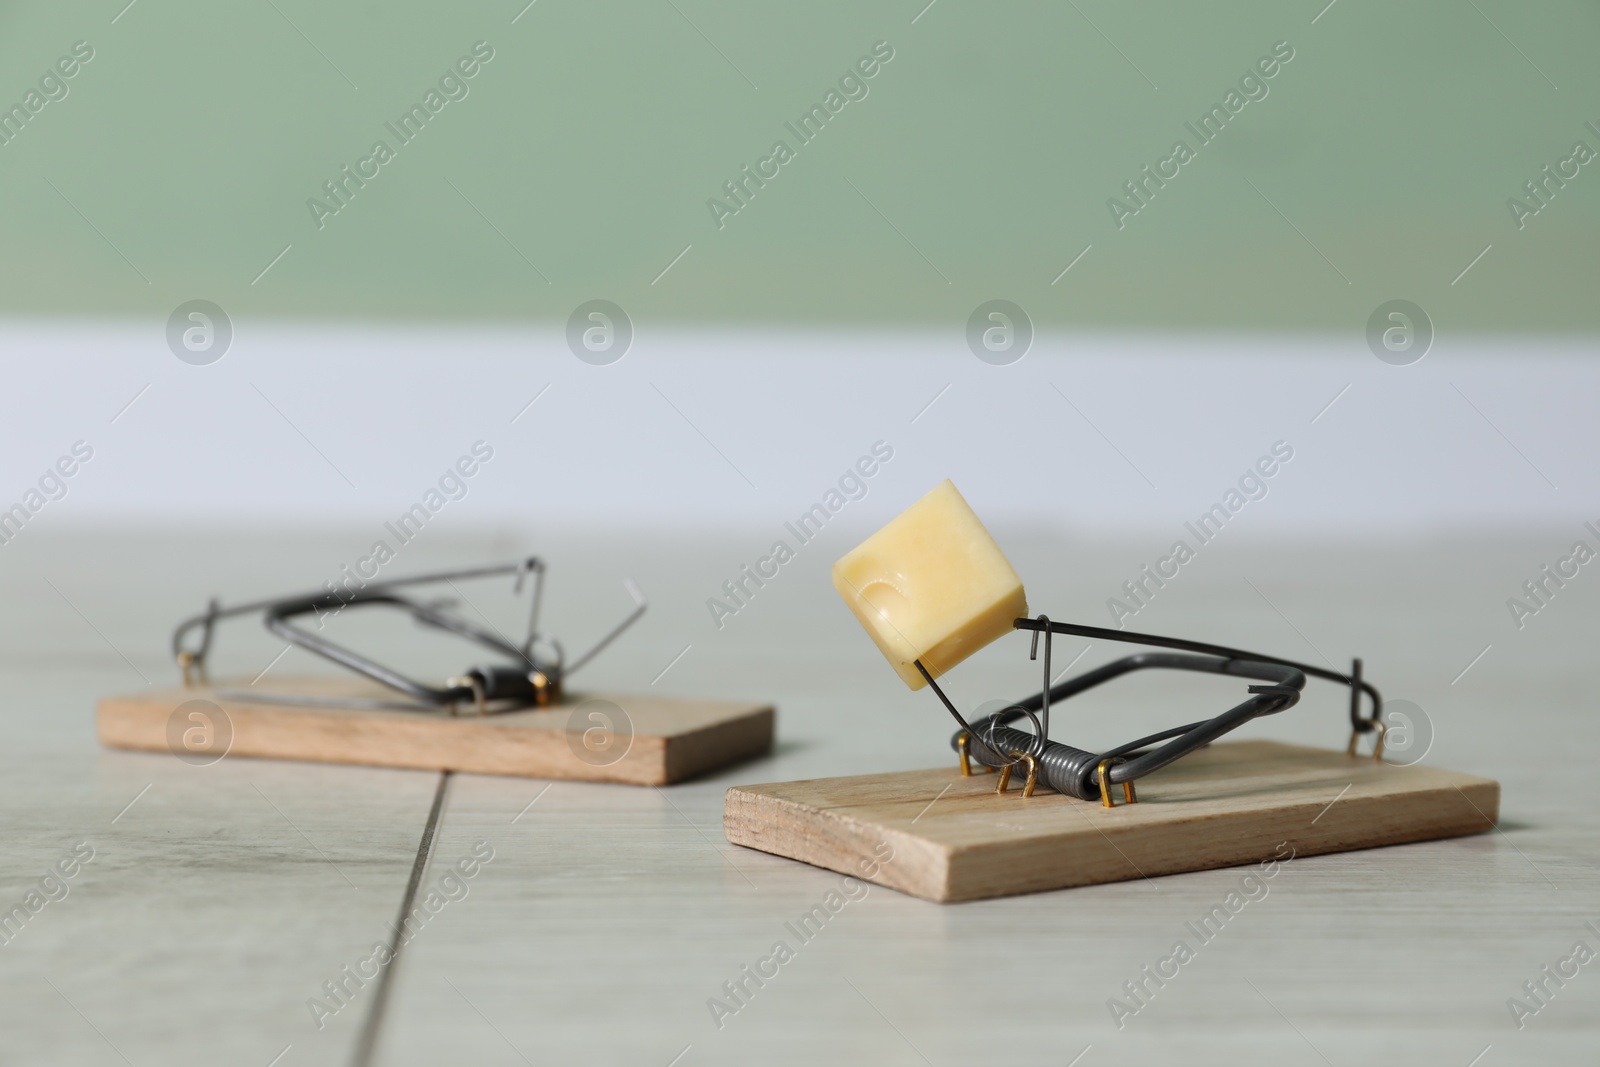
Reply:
x=997 y=745
x=529 y=674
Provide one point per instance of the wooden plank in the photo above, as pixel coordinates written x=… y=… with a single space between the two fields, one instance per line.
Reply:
x=657 y=740
x=937 y=835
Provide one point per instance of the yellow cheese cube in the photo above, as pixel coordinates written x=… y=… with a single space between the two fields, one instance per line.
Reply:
x=931 y=585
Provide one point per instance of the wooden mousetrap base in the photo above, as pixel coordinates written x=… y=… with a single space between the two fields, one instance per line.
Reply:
x=671 y=738
x=942 y=837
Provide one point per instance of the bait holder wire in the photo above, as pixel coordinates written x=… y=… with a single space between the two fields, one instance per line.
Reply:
x=530 y=674
x=996 y=745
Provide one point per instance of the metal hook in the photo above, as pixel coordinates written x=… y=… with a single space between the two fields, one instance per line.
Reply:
x=545 y=691
x=1032 y=781
x=186 y=664
x=963 y=746
x=1102 y=774
x=1377 y=746
x=192 y=662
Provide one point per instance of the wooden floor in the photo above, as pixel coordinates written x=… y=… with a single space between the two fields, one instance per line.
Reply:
x=605 y=924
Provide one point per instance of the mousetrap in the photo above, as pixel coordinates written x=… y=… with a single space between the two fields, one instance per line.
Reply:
x=931 y=588
x=514 y=715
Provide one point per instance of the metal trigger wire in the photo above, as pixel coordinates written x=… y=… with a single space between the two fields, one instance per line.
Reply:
x=536 y=565
x=1044 y=728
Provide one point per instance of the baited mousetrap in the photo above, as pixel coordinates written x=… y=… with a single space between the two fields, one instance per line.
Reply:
x=513 y=714
x=1019 y=812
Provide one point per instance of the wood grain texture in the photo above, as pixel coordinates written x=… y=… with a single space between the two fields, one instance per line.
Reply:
x=667 y=739
x=953 y=838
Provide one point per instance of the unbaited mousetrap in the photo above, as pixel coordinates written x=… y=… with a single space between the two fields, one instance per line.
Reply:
x=513 y=715
x=931 y=588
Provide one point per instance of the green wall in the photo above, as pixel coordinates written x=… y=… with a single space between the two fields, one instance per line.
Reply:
x=978 y=165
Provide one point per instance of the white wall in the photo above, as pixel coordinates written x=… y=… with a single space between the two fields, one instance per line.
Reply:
x=391 y=406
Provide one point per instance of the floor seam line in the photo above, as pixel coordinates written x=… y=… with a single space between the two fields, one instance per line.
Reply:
x=368 y=1042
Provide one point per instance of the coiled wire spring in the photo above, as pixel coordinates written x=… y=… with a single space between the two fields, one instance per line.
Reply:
x=993 y=742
